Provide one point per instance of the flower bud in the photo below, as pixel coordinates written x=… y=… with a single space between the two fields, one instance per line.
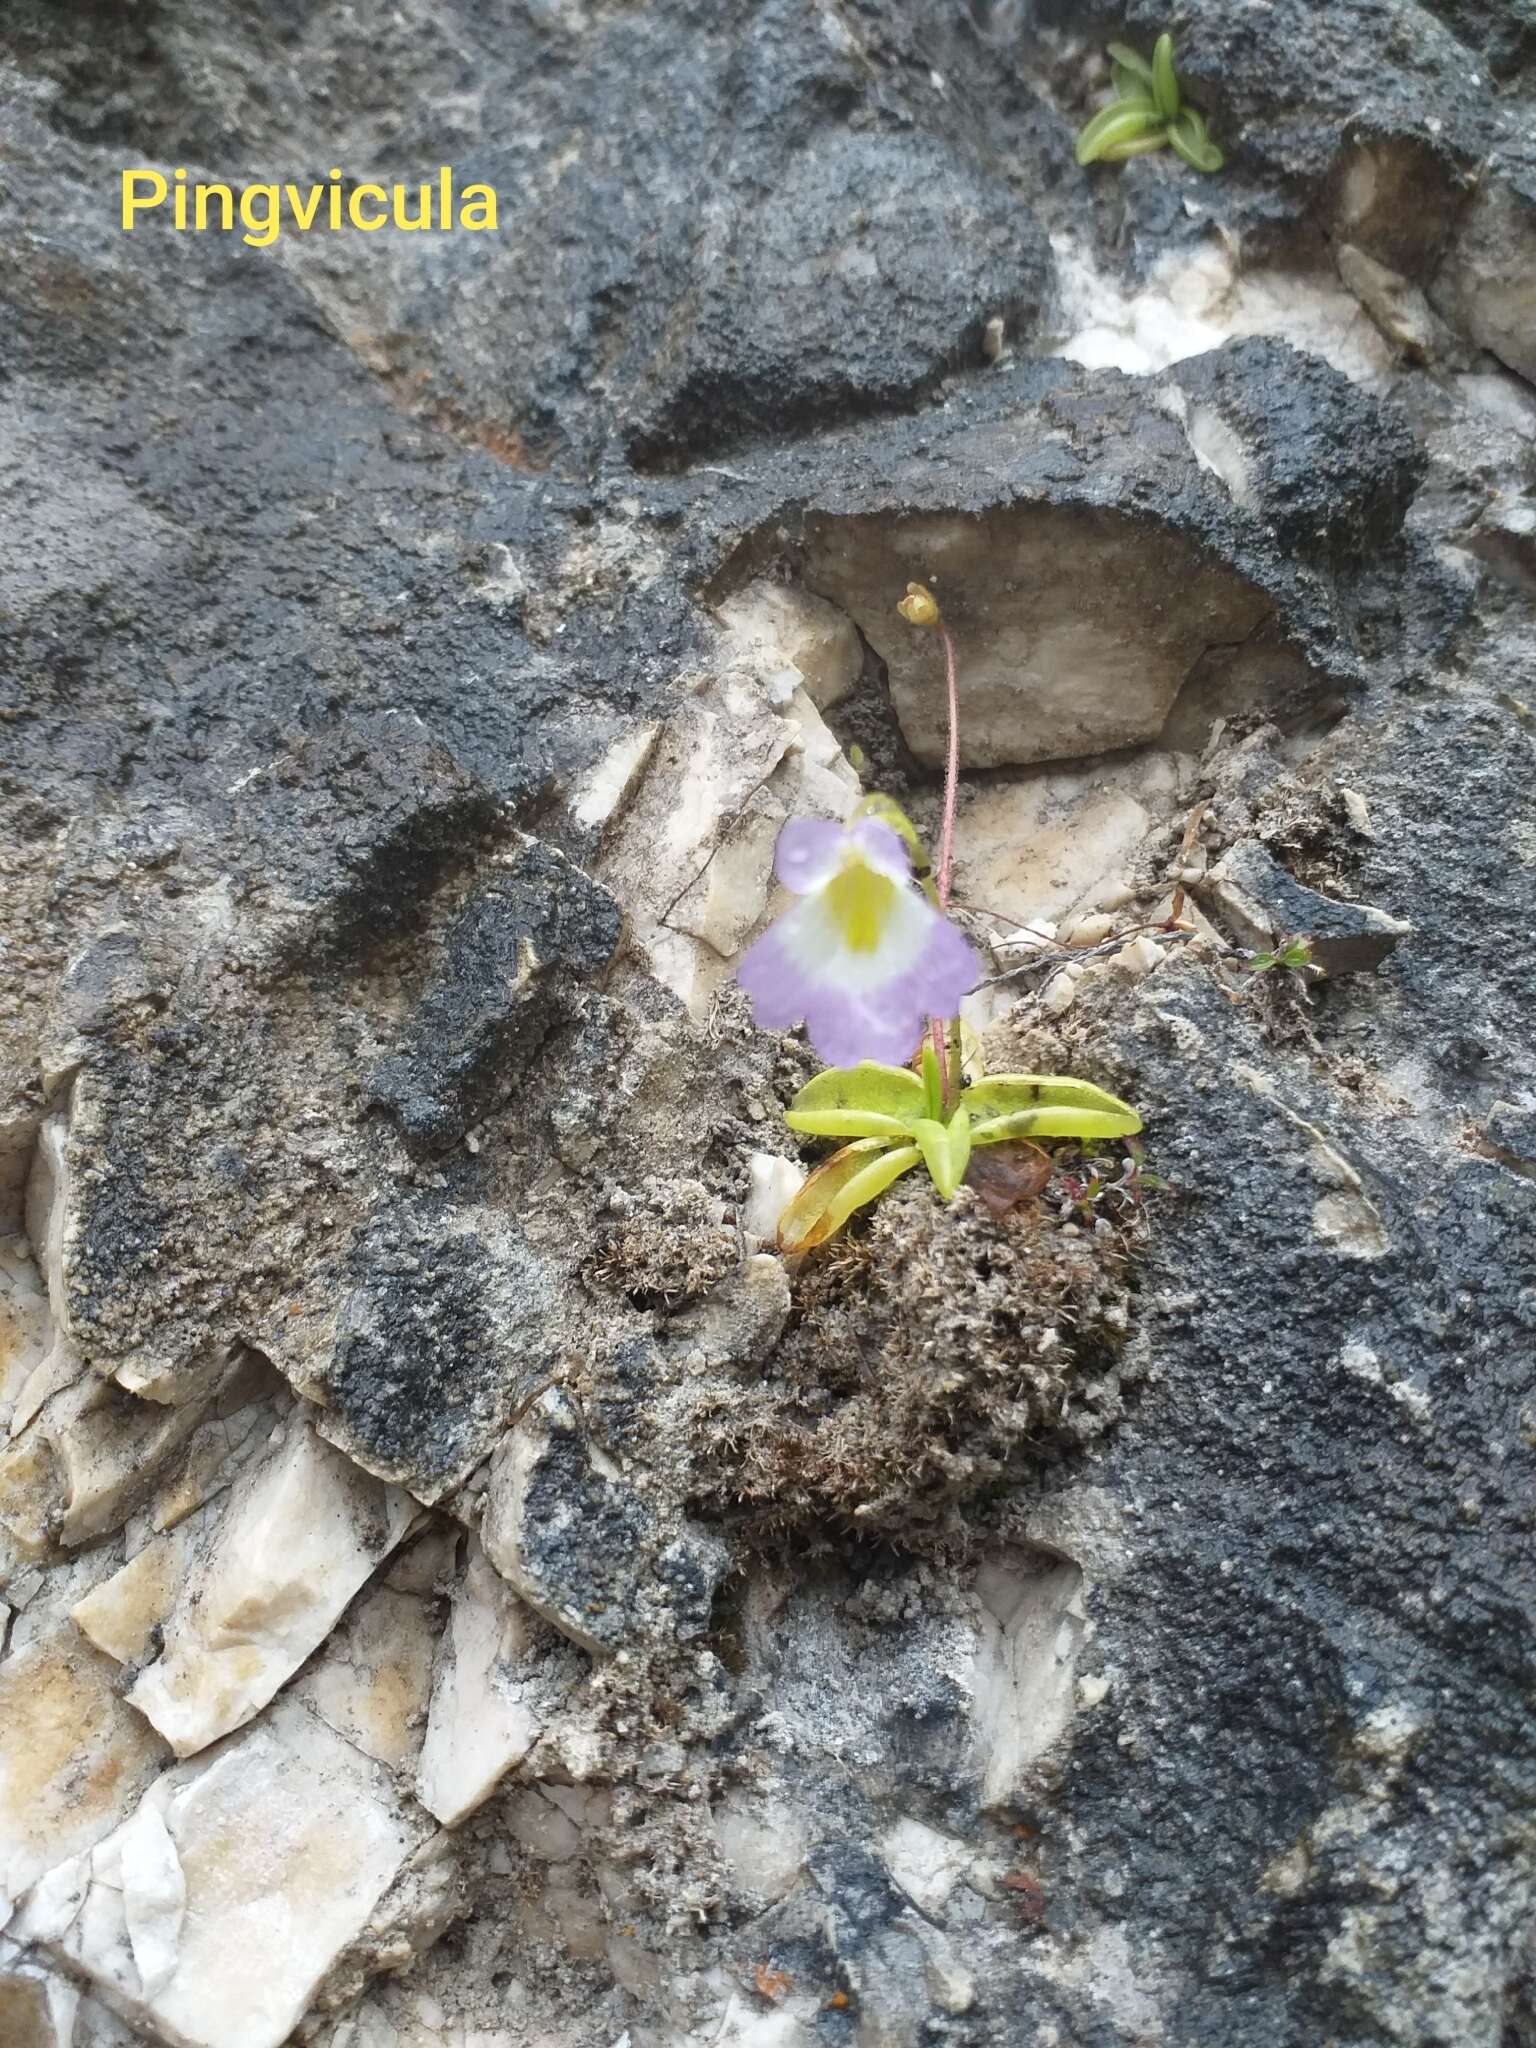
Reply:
x=919 y=607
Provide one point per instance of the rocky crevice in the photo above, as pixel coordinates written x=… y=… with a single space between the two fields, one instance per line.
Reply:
x=458 y=1585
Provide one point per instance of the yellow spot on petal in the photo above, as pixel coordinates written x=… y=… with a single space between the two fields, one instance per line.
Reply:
x=860 y=901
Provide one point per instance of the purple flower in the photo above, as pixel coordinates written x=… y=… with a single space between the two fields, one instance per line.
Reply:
x=863 y=960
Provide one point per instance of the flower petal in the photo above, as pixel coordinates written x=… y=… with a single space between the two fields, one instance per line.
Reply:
x=810 y=852
x=867 y=1004
x=882 y=849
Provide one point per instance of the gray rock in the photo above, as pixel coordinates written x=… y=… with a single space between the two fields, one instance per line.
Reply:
x=1484 y=286
x=607 y=1567
x=331 y=571
x=508 y=960
x=1086 y=561
x=1512 y=1132
x=1331 y=468
x=1505 y=538
x=1263 y=905
x=870 y=270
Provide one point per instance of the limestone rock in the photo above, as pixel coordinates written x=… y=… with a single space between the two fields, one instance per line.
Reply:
x=336 y=610
x=1512 y=1132
x=751 y=749
x=583 y=1548
x=73 y=1757
x=1034 y=848
x=789 y=625
x=501 y=1679
x=1264 y=904
x=1086 y=563
x=1331 y=468
x=1399 y=308
x=903 y=250
x=534 y=921
x=1484 y=286
x=213 y=1914
x=298 y=1536
x=372 y=1679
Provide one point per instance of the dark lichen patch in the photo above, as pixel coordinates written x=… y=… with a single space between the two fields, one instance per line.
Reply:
x=526 y=933
x=447 y=1332
x=927 y=1359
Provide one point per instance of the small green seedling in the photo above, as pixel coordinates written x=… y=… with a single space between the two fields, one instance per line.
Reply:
x=1147 y=113
x=1292 y=953
x=897 y=1121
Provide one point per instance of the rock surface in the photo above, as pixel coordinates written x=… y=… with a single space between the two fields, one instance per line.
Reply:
x=459 y=1588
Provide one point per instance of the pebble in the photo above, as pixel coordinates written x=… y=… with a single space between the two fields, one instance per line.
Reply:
x=1139 y=958
x=1058 y=993
x=1090 y=931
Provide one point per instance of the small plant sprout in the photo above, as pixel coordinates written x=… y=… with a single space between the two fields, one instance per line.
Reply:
x=1147 y=113
x=866 y=960
x=897 y=1120
x=1293 y=953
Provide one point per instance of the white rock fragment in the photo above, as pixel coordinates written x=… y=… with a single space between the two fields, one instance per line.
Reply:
x=748 y=2024
x=1137 y=959
x=73 y=1757
x=772 y=1184
x=604 y=789
x=26 y=1328
x=1397 y=306
x=36 y=1356
x=298 y=1537
x=690 y=858
x=1040 y=845
x=499 y=1679
x=154 y=1896
x=791 y=625
x=1023 y=1680
x=925 y=1863
x=1194 y=300
x=286 y=1841
x=373 y=1678
x=1056 y=997
x=763 y=1842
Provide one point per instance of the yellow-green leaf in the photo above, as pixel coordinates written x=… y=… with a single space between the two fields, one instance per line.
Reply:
x=846 y=1182
x=946 y=1150
x=1123 y=121
x=1129 y=87
x=1122 y=152
x=1132 y=61
x=1192 y=139
x=1165 y=84
x=1006 y=1094
x=1056 y=1123
x=866 y=1101
x=933 y=1080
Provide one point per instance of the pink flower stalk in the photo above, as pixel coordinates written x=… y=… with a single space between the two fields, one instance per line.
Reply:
x=863 y=960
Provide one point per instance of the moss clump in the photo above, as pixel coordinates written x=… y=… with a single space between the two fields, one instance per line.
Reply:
x=663 y=1244
x=926 y=1359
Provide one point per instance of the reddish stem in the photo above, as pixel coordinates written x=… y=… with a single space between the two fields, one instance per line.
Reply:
x=949 y=1075
x=951 y=769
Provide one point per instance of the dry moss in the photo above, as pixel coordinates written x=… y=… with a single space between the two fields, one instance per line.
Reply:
x=927 y=1358
x=663 y=1244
